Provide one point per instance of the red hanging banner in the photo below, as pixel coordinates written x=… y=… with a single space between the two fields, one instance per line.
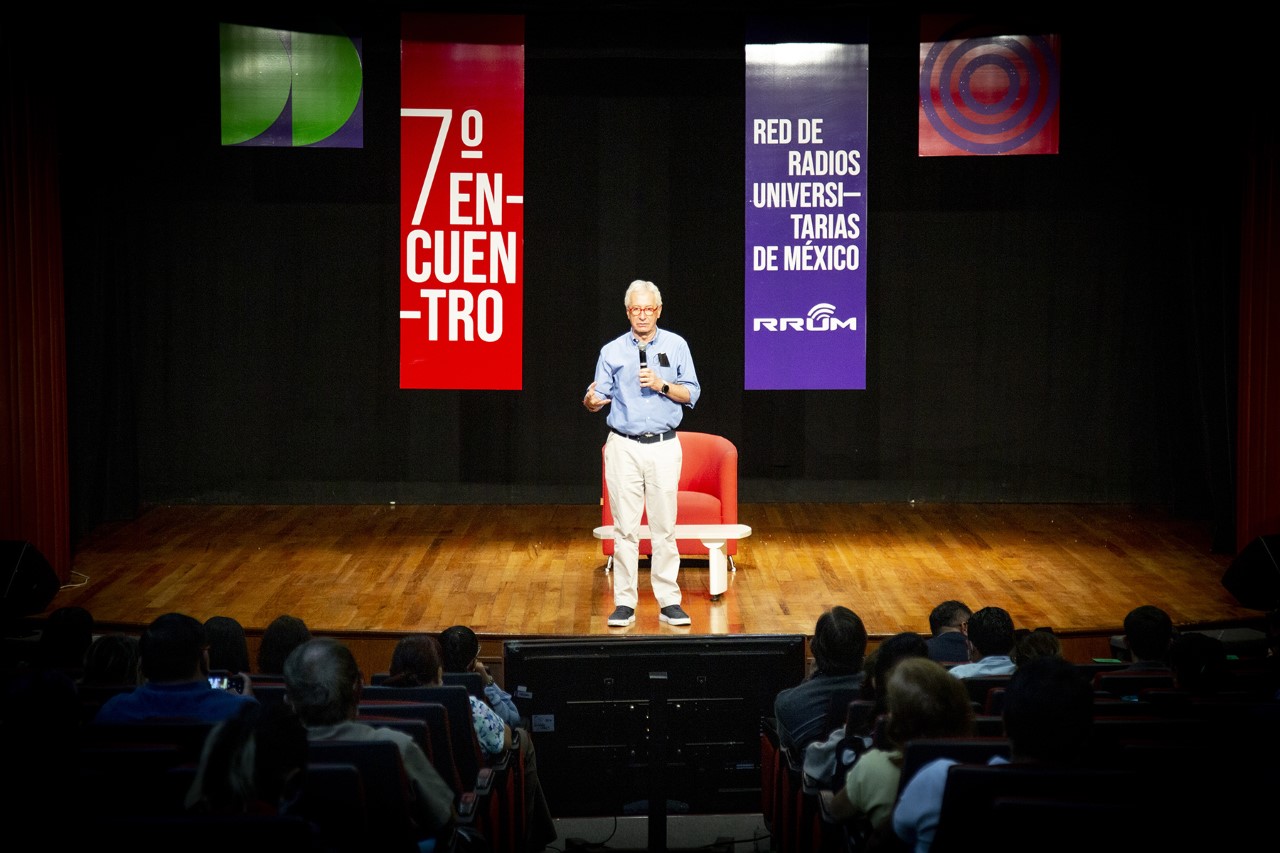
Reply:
x=461 y=201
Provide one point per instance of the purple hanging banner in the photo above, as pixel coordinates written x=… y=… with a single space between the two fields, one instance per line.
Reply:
x=806 y=223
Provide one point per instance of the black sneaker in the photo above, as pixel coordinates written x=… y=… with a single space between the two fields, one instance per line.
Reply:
x=672 y=614
x=622 y=616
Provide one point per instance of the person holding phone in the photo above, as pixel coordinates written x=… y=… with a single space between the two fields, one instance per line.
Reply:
x=228 y=681
x=646 y=377
x=173 y=656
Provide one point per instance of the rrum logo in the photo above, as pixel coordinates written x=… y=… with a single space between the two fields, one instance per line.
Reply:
x=821 y=318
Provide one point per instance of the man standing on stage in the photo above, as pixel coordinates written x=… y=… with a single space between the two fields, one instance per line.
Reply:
x=647 y=375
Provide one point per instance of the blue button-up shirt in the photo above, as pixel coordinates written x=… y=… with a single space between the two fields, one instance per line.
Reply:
x=637 y=410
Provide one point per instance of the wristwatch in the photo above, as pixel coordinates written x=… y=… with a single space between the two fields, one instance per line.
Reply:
x=665 y=388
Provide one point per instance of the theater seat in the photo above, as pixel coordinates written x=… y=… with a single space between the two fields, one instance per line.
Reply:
x=967 y=819
x=708 y=492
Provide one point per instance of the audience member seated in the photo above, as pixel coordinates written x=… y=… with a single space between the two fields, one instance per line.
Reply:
x=110 y=667
x=1030 y=645
x=922 y=701
x=827 y=762
x=1048 y=718
x=228 y=646
x=64 y=639
x=252 y=763
x=174 y=660
x=949 y=624
x=1199 y=664
x=282 y=636
x=907 y=644
x=323 y=684
x=991 y=640
x=803 y=712
x=111 y=660
x=1148 y=631
x=417 y=662
x=39 y=724
x=461 y=650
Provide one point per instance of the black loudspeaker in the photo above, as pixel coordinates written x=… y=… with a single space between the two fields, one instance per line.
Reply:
x=1254 y=575
x=27 y=582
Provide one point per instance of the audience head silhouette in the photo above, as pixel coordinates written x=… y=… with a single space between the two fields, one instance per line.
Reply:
x=948 y=628
x=280 y=754
x=415 y=662
x=1148 y=631
x=460 y=647
x=950 y=615
x=839 y=642
x=228 y=646
x=322 y=682
x=172 y=649
x=923 y=700
x=1033 y=644
x=1048 y=712
x=65 y=638
x=991 y=631
x=1199 y=663
x=252 y=762
x=111 y=659
x=282 y=636
x=899 y=647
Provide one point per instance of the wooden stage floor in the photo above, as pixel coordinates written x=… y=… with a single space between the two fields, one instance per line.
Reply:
x=535 y=570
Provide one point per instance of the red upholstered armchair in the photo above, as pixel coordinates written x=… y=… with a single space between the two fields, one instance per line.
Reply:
x=708 y=492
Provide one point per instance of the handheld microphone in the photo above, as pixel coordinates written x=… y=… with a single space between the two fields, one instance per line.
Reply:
x=644 y=359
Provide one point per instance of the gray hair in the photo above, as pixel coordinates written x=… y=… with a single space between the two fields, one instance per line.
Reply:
x=320 y=677
x=640 y=285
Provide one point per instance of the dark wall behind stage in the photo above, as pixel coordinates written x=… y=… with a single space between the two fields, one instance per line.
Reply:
x=1040 y=328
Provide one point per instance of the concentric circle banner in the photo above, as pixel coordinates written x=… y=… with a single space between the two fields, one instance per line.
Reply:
x=983 y=93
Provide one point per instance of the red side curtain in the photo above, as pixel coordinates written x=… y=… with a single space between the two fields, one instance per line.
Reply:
x=34 y=494
x=1258 y=430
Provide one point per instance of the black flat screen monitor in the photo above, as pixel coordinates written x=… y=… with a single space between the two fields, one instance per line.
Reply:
x=623 y=724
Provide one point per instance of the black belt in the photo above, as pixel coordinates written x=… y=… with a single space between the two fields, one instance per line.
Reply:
x=647 y=437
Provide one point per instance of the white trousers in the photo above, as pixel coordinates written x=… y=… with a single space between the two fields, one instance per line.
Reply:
x=643 y=477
